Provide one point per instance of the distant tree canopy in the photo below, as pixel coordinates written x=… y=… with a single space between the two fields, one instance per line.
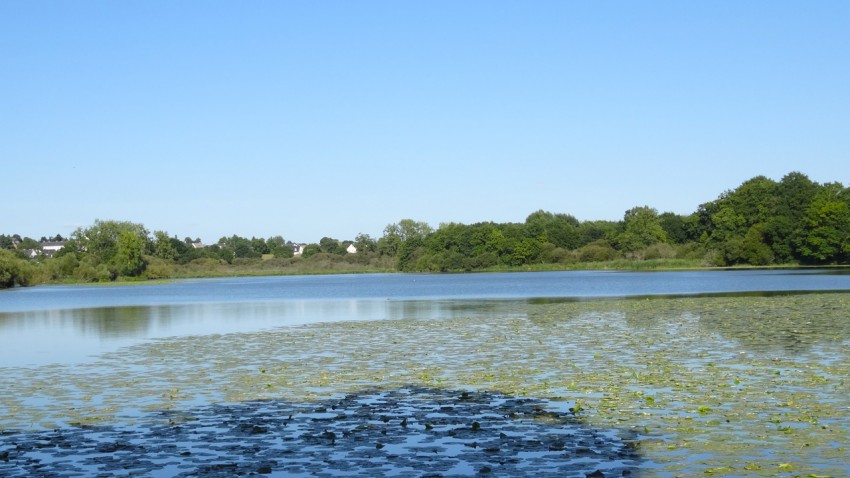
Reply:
x=767 y=222
x=761 y=222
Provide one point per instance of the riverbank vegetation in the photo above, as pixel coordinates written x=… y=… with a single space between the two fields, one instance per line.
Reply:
x=794 y=221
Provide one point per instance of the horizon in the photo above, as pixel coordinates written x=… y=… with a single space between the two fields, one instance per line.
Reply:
x=288 y=240
x=208 y=120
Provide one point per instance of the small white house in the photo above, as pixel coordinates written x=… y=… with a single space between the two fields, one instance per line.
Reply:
x=351 y=249
x=50 y=248
x=298 y=249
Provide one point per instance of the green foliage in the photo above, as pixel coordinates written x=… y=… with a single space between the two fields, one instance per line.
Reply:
x=101 y=239
x=679 y=229
x=278 y=247
x=397 y=234
x=158 y=268
x=597 y=251
x=794 y=193
x=128 y=259
x=827 y=227
x=642 y=228
x=329 y=245
x=237 y=247
x=6 y=242
x=164 y=248
x=591 y=231
x=365 y=244
x=310 y=250
x=14 y=271
x=29 y=243
x=562 y=230
x=762 y=222
x=63 y=266
x=90 y=269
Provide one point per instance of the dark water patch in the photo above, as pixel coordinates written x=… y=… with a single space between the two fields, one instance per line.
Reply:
x=409 y=431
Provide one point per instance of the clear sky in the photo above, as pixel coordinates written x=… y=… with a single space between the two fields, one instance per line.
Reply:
x=333 y=118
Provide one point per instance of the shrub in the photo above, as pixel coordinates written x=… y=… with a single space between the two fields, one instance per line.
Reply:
x=659 y=250
x=158 y=269
x=596 y=251
x=14 y=270
x=89 y=270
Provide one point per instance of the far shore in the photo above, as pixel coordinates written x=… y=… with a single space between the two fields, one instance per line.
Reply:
x=256 y=270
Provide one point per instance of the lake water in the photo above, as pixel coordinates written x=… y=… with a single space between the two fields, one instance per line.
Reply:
x=728 y=373
x=69 y=324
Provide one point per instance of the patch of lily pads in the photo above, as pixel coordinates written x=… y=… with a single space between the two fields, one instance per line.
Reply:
x=743 y=386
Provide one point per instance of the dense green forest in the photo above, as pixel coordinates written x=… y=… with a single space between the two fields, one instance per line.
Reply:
x=794 y=221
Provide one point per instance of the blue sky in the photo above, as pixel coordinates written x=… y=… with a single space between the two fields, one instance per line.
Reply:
x=312 y=119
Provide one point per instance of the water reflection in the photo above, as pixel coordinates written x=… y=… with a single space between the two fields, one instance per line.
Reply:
x=410 y=431
x=789 y=327
x=772 y=322
x=70 y=335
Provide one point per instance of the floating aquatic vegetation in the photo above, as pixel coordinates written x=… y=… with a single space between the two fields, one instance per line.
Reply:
x=720 y=385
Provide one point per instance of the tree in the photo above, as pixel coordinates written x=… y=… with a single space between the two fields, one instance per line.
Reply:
x=163 y=246
x=794 y=193
x=128 y=259
x=29 y=243
x=310 y=250
x=240 y=247
x=101 y=239
x=562 y=230
x=365 y=243
x=825 y=235
x=397 y=234
x=754 y=250
x=6 y=242
x=278 y=247
x=592 y=231
x=642 y=228
x=258 y=244
x=13 y=270
x=330 y=245
x=679 y=229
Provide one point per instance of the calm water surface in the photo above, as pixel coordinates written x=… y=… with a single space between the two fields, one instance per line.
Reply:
x=723 y=385
x=67 y=324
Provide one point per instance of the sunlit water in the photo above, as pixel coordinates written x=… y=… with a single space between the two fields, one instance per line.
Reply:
x=69 y=324
x=740 y=374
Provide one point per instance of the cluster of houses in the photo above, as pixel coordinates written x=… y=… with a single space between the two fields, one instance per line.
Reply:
x=50 y=248
x=298 y=249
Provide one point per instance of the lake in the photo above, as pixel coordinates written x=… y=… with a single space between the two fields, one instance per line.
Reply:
x=738 y=372
x=69 y=324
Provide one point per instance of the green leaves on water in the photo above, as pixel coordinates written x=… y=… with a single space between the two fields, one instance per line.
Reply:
x=688 y=375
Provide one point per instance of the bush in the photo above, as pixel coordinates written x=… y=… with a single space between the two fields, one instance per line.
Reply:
x=481 y=261
x=659 y=250
x=158 y=268
x=14 y=270
x=690 y=250
x=62 y=266
x=596 y=251
x=89 y=270
x=563 y=256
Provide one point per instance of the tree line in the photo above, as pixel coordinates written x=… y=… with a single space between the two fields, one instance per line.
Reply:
x=761 y=222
